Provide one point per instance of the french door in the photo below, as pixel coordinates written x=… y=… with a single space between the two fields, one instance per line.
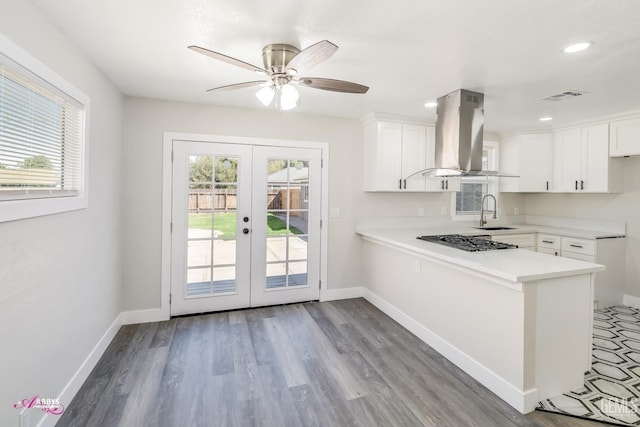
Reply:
x=245 y=226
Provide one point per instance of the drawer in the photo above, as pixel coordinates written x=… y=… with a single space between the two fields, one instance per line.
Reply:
x=522 y=240
x=549 y=241
x=581 y=257
x=579 y=246
x=549 y=251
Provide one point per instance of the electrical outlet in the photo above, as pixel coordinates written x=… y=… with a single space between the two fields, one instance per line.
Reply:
x=443 y=211
x=516 y=211
x=420 y=211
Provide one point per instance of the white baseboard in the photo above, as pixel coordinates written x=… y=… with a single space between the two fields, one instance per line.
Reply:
x=631 y=301
x=69 y=391
x=341 y=293
x=522 y=401
x=143 y=316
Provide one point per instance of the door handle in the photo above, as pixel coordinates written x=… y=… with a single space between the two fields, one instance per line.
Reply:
x=245 y=230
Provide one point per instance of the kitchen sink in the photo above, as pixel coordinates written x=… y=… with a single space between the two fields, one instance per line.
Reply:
x=494 y=228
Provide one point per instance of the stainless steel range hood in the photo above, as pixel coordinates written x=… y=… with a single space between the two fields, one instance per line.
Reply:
x=459 y=134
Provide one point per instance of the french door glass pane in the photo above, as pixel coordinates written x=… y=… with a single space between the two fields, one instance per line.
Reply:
x=212 y=225
x=287 y=222
x=297 y=273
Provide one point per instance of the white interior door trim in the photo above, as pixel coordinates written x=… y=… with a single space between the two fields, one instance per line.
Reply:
x=169 y=137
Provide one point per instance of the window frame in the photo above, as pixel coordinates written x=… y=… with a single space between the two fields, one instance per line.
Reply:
x=11 y=210
x=493 y=185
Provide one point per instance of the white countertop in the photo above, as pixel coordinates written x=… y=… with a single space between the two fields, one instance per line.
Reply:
x=534 y=228
x=512 y=265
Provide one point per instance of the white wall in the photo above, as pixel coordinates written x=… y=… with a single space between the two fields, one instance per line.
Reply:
x=60 y=275
x=615 y=207
x=145 y=121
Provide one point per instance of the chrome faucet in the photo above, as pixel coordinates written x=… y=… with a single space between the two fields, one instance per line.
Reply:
x=483 y=222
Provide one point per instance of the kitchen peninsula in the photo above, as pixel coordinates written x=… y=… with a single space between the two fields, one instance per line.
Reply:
x=518 y=321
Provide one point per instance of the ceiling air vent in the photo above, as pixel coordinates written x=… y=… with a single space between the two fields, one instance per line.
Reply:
x=564 y=95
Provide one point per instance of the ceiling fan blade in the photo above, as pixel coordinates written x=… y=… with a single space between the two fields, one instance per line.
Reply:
x=239 y=85
x=333 y=85
x=229 y=60
x=312 y=56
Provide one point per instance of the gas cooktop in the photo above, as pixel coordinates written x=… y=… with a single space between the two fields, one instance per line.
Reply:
x=467 y=243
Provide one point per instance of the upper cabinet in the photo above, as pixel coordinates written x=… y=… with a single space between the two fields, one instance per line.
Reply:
x=393 y=151
x=624 y=139
x=529 y=157
x=581 y=161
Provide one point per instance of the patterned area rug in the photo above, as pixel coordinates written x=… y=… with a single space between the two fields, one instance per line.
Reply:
x=611 y=391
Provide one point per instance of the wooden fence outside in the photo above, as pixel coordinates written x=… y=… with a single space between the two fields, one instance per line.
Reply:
x=227 y=199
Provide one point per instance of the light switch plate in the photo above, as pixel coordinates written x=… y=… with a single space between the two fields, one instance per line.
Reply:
x=334 y=213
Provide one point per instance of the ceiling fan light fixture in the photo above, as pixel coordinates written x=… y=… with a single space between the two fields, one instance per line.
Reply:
x=289 y=97
x=265 y=95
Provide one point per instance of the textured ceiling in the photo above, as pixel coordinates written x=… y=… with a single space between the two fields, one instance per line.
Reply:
x=407 y=51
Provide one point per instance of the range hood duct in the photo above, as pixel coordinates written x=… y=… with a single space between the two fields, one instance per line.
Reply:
x=459 y=136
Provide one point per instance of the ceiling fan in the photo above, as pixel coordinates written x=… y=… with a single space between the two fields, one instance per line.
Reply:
x=283 y=65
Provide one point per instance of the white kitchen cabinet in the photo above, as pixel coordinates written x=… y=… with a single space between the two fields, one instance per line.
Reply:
x=624 y=139
x=529 y=157
x=549 y=244
x=393 y=151
x=609 y=284
x=581 y=161
x=524 y=241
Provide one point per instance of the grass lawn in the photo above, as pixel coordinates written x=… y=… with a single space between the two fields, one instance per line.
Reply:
x=226 y=223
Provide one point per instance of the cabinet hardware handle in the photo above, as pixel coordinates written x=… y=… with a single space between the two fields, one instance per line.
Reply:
x=446 y=184
x=400 y=183
x=556 y=253
x=576 y=246
x=576 y=185
x=582 y=185
x=547 y=185
x=442 y=184
x=547 y=241
x=405 y=184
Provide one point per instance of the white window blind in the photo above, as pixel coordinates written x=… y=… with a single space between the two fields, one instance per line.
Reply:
x=41 y=137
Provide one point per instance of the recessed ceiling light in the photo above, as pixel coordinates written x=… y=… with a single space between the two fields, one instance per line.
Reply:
x=430 y=104
x=546 y=119
x=577 y=47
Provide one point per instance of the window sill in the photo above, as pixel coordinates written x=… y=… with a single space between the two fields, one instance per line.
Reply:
x=13 y=210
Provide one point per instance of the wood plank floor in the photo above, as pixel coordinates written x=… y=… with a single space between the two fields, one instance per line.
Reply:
x=340 y=363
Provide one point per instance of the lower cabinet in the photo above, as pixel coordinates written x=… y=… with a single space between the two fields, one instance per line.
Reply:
x=609 y=284
x=524 y=241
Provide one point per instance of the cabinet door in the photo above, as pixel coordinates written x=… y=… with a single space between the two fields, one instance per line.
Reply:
x=624 y=139
x=414 y=156
x=535 y=163
x=510 y=164
x=389 y=157
x=567 y=153
x=594 y=176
